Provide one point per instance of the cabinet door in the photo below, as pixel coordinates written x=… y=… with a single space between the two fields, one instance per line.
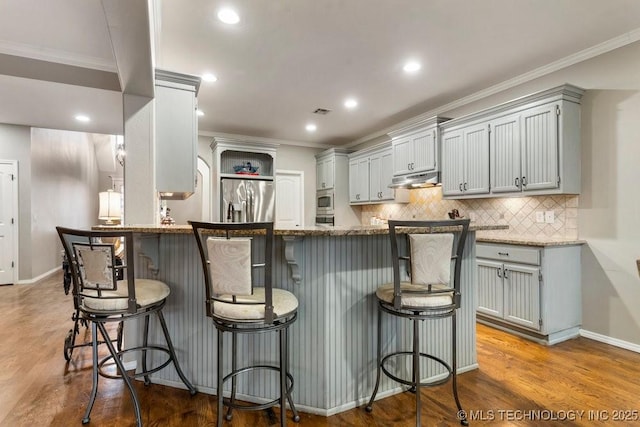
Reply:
x=504 y=148
x=540 y=147
x=380 y=176
x=452 y=163
x=522 y=295
x=490 y=288
x=319 y=175
x=386 y=175
x=424 y=151
x=176 y=139
x=324 y=174
x=402 y=156
x=353 y=180
x=359 y=180
x=476 y=154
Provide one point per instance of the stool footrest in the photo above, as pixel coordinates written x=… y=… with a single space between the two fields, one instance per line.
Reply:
x=255 y=406
x=103 y=373
x=410 y=382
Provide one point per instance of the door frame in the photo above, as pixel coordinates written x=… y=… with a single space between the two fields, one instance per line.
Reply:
x=298 y=174
x=16 y=219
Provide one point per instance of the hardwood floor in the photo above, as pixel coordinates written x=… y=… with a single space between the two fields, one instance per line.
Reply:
x=575 y=383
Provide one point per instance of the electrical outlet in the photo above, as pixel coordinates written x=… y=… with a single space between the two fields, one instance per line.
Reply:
x=549 y=217
x=539 y=216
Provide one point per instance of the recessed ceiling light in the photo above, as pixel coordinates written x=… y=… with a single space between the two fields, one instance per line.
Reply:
x=411 y=67
x=208 y=77
x=199 y=112
x=82 y=118
x=228 y=16
x=351 y=103
x=311 y=127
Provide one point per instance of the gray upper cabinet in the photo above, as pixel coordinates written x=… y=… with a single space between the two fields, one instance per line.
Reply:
x=532 y=146
x=415 y=153
x=176 y=125
x=359 y=179
x=465 y=160
x=370 y=174
x=325 y=172
x=416 y=147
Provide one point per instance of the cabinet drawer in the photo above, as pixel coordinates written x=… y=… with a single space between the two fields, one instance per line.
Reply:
x=508 y=253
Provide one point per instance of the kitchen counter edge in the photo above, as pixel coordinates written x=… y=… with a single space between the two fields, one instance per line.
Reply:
x=362 y=230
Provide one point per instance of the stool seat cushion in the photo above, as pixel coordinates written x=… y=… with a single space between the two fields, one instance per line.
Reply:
x=284 y=303
x=385 y=293
x=148 y=292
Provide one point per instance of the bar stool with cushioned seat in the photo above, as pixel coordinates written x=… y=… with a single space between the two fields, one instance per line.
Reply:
x=230 y=255
x=430 y=293
x=103 y=299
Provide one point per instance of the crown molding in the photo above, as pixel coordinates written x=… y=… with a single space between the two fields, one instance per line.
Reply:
x=261 y=140
x=58 y=56
x=583 y=55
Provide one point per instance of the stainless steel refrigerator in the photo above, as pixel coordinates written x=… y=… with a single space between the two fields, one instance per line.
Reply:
x=247 y=200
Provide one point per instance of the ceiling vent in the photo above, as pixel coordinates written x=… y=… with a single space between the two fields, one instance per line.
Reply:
x=322 y=111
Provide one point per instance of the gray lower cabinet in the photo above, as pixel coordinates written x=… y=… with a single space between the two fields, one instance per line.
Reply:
x=534 y=291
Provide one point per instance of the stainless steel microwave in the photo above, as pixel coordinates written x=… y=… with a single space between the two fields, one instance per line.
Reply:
x=324 y=202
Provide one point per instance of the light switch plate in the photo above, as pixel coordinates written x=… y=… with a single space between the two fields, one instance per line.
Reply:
x=549 y=217
x=539 y=216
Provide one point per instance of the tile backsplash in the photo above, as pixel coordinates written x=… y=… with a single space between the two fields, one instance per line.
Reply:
x=519 y=213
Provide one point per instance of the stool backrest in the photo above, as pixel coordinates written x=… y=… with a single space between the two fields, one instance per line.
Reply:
x=431 y=249
x=229 y=253
x=98 y=262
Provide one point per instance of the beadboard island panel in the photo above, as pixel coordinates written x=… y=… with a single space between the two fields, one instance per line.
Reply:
x=333 y=341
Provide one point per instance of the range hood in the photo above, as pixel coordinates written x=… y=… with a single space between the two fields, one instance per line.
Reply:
x=420 y=180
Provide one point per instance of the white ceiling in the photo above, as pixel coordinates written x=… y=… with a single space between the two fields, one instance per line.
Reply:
x=288 y=57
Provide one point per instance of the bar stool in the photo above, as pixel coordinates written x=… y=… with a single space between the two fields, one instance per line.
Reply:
x=428 y=294
x=102 y=299
x=233 y=255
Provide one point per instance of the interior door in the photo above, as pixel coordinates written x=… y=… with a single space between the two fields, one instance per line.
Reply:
x=8 y=225
x=289 y=199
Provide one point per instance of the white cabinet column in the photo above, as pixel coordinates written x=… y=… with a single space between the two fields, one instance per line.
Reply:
x=140 y=196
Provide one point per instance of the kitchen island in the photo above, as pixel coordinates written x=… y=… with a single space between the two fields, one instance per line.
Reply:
x=334 y=273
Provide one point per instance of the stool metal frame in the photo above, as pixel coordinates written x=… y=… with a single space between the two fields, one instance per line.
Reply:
x=71 y=239
x=417 y=313
x=270 y=323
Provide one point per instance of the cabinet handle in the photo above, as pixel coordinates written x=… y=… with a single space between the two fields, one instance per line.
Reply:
x=413 y=166
x=357 y=197
x=323 y=185
x=408 y=166
x=499 y=271
x=524 y=181
x=465 y=186
x=517 y=182
x=380 y=195
x=503 y=253
x=460 y=186
x=504 y=273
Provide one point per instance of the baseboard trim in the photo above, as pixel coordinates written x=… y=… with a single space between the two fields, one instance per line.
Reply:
x=610 y=340
x=311 y=409
x=40 y=277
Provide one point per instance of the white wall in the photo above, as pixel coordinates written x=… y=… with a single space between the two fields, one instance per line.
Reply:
x=64 y=191
x=15 y=144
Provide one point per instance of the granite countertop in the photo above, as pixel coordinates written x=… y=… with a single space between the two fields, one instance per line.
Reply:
x=356 y=230
x=540 y=241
